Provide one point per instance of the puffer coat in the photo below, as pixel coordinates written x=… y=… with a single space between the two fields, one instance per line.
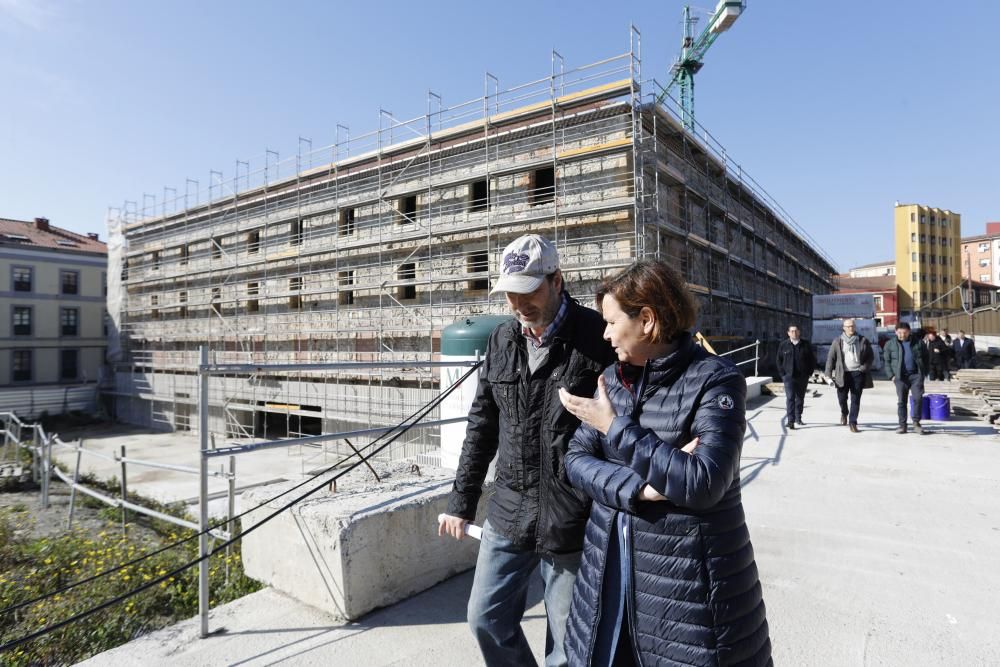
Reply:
x=694 y=597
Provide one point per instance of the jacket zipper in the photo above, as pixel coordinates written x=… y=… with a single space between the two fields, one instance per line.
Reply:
x=640 y=387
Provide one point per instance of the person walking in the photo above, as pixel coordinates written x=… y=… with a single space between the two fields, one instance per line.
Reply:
x=906 y=364
x=965 y=351
x=668 y=574
x=848 y=365
x=535 y=519
x=796 y=364
x=938 y=352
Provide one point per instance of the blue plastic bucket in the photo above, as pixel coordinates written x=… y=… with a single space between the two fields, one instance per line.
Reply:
x=940 y=407
x=925 y=407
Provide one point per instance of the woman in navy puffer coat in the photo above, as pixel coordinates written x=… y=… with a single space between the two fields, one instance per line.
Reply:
x=668 y=574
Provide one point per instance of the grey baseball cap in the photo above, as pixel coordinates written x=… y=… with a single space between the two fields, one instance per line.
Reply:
x=525 y=263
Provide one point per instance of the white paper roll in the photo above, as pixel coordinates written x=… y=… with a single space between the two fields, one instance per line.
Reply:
x=471 y=529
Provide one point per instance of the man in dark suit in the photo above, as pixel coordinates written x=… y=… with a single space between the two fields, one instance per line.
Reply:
x=796 y=364
x=965 y=351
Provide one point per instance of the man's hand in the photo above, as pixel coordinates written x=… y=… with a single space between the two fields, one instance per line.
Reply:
x=451 y=525
x=595 y=412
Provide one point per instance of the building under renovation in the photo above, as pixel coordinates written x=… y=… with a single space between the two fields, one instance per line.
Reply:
x=367 y=249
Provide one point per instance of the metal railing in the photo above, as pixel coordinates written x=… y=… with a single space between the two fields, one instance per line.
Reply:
x=207 y=451
x=754 y=360
x=42 y=444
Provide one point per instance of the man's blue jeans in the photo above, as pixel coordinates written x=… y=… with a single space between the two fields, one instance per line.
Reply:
x=500 y=594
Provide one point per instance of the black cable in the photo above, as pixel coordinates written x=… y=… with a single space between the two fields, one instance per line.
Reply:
x=120 y=598
x=416 y=416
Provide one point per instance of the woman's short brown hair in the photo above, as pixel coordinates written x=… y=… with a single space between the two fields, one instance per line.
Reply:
x=651 y=283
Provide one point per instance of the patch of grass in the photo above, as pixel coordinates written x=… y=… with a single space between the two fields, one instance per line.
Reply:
x=30 y=567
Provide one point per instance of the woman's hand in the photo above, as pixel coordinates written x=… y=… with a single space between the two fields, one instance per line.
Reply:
x=689 y=448
x=650 y=494
x=595 y=412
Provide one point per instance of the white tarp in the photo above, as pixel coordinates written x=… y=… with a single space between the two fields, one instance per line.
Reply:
x=827 y=306
x=825 y=331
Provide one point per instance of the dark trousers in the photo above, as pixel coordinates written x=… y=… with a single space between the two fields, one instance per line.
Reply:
x=795 y=397
x=939 y=371
x=854 y=383
x=905 y=384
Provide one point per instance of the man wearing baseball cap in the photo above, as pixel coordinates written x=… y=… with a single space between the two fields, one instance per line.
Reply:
x=534 y=517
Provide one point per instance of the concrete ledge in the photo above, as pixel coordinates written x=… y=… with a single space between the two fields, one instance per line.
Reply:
x=754 y=385
x=358 y=549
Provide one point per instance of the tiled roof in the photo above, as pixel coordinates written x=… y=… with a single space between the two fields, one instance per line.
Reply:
x=870 y=283
x=874 y=264
x=27 y=234
x=980 y=237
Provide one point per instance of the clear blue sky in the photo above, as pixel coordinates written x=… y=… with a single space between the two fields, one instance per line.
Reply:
x=837 y=108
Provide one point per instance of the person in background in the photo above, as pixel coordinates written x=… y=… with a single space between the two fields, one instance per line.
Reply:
x=906 y=364
x=965 y=351
x=939 y=356
x=848 y=365
x=535 y=519
x=796 y=364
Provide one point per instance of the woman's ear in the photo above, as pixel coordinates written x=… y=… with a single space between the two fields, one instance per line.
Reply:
x=648 y=320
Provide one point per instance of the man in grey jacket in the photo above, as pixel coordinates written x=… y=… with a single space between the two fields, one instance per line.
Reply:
x=848 y=365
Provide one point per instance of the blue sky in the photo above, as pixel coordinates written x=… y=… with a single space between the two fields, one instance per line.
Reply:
x=837 y=108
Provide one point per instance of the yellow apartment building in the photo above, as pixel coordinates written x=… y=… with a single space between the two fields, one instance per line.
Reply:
x=928 y=266
x=53 y=286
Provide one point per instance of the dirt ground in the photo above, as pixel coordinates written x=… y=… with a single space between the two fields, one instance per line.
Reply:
x=34 y=522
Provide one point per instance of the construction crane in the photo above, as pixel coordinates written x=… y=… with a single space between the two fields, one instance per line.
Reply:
x=692 y=55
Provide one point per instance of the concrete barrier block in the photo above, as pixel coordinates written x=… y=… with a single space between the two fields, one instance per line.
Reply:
x=357 y=549
x=754 y=385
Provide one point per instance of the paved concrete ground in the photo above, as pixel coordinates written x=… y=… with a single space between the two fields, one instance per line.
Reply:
x=873 y=549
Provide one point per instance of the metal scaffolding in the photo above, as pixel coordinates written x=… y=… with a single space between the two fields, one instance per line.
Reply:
x=397 y=233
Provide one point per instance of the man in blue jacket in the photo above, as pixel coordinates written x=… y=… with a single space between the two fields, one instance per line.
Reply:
x=906 y=363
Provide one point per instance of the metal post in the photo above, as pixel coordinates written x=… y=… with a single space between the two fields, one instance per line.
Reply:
x=756 y=356
x=203 y=493
x=124 y=488
x=47 y=467
x=232 y=510
x=76 y=480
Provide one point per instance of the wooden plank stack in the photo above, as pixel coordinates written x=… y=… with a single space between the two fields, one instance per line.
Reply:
x=983 y=383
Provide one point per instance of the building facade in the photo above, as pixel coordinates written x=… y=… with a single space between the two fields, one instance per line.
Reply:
x=370 y=256
x=928 y=251
x=981 y=256
x=53 y=285
x=886 y=268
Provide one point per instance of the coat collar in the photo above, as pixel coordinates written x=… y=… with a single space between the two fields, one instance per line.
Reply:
x=665 y=370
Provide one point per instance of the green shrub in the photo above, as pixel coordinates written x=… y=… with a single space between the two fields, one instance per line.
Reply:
x=30 y=567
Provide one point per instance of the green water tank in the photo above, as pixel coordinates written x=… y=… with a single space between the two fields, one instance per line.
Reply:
x=466 y=336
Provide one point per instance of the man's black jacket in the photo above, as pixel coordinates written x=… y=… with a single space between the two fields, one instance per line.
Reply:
x=939 y=351
x=517 y=417
x=799 y=358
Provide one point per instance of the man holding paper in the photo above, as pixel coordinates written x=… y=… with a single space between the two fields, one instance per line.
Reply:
x=534 y=516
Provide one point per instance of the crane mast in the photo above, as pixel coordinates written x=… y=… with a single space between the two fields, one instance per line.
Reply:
x=692 y=56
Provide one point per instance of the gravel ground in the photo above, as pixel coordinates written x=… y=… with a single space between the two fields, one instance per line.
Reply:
x=33 y=522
